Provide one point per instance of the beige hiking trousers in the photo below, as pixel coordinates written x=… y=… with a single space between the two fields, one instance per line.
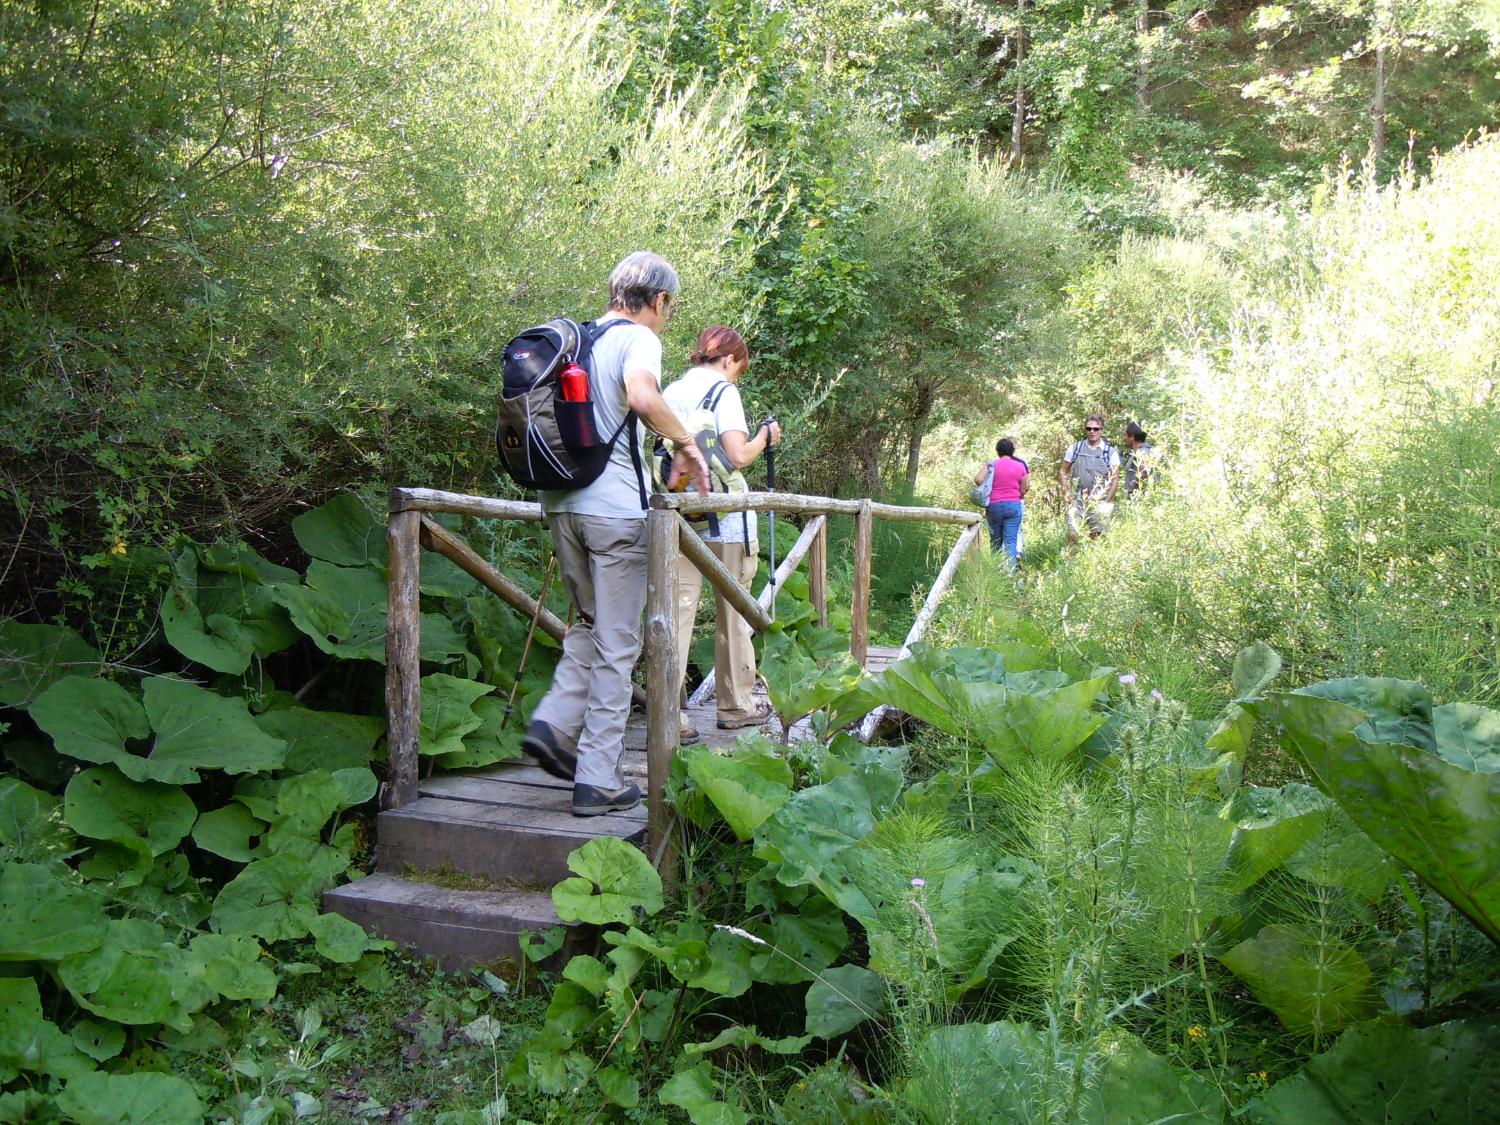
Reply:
x=602 y=562
x=734 y=650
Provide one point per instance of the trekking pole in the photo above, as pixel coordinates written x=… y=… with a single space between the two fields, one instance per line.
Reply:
x=510 y=704
x=771 y=515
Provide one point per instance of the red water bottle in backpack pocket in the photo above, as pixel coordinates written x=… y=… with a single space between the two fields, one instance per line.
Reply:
x=575 y=383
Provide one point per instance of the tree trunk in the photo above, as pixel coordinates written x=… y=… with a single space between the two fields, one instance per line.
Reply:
x=914 y=438
x=1377 y=108
x=1018 y=122
x=1142 y=65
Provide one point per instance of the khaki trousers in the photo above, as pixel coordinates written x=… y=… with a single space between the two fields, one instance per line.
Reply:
x=603 y=566
x=734 y=651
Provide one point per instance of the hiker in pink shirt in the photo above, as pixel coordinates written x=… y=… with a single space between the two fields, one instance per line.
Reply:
x=1009 y=480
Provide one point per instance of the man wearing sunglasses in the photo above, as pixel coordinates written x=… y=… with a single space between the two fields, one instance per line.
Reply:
x=1089 y=477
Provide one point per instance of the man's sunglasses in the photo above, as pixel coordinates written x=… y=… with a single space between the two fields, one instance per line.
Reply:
x=1093 y=429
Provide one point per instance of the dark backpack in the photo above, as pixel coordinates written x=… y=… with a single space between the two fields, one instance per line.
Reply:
x=545 y=441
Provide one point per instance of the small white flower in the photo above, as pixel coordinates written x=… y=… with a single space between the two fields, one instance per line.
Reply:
x=919 y=882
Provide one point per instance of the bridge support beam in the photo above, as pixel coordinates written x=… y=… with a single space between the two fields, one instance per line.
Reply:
x=661 y=682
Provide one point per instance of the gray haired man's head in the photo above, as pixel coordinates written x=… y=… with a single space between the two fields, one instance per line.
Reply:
x=639 y=280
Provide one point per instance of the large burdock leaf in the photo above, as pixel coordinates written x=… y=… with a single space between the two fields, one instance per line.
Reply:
x=28 y=1041
x=843 y=998
x=44 y=918
x=28 y=820
x=1314 y=983
x=322 y=740
x=696 y=1091
x=339 y=939
x=196 y=729
x=130 y=1099
x=496 y=739
x=274 y=899
x=1270 y=825
x=220 y=611
x=746 y=787
x=102 y=805
x=1139 y=1087
x=1388 y=1071
x=305 y=803
x=798 y=683
x=1424 y=784
x=232 y=832
x=90 y=719
x=343 y=610
x=34 y=657
x=342 y=531
x=233 y=966
x=448 y=713
x=615 y=881
x=1049 y=725
x=138 y=976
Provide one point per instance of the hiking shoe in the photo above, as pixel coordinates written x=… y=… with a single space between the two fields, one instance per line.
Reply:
x=757 y=718
x=688 y=736
x=540 y=742
x=590 y=800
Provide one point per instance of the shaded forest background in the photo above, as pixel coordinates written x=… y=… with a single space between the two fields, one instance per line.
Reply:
x=258 y=254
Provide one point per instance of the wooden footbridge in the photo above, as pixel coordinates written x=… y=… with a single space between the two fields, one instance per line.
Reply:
x=465 y=861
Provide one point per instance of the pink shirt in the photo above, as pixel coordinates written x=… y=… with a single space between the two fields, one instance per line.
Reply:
x=1009 y=473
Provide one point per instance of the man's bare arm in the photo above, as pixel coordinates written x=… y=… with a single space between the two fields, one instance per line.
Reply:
x=644 y=398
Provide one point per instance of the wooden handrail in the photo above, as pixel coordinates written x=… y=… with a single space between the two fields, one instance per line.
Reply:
x=812 y=534
x=718 y=574
x=444 y=542
x=691 y=504
x=461 y=504
x=667 y=533
x=965 y=544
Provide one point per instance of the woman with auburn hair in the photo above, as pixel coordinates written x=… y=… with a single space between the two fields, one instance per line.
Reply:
x=710 y=386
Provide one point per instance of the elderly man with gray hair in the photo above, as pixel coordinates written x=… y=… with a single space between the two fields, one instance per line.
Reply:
x=599 y=536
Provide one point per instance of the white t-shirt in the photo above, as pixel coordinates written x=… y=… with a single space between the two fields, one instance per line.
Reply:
x=617 y=491
x=685 y=395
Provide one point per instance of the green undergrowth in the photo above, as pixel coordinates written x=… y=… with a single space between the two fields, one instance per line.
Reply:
x=170 y=817
x=1063 y=901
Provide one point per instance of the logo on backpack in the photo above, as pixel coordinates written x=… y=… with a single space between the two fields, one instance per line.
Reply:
x=547 y=434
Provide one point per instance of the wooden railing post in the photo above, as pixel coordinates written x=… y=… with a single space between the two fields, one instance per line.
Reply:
x=403 y=666
x=817 y=574
x=859 y=628
x=661 y=679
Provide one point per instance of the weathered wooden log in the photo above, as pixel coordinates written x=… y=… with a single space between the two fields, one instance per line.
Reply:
x=403 y=666
x=444 y=542
x=817 y=572
x=811 y=534
x=690 y=503
x=458 y=503
x=661 y=678
x=438 y=538
x=859 y=613
x=718 y=574
x=929 y=610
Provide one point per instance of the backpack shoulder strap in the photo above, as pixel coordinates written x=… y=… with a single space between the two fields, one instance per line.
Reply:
x=715 y=393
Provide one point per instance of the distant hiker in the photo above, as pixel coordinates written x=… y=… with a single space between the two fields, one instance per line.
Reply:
x=599 y=536
x=1140 y=460
x=707 y=400
x=1089 y=477
x=1009 y=479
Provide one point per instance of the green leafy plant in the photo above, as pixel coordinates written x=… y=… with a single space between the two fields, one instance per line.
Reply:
x=1417 y=779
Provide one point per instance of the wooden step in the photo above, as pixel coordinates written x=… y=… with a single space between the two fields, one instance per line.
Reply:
x=512 y=822
x=461 y=929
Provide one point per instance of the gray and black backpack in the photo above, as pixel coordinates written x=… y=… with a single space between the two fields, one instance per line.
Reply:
x=544 y=440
